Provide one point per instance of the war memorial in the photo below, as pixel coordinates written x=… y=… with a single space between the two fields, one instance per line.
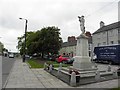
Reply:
x=83 y=70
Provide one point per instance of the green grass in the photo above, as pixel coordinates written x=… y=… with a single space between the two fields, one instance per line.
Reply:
x=52 y=62
x=34 y=64
x=116 y=88
x=56 y=64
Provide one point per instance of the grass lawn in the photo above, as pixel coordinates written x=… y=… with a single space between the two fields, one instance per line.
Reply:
x=116 y=88
x=56 y=64
x=34 y=64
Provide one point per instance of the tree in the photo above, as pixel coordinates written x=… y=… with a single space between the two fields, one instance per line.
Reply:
x=44 y=41
x=50 y=40
x=32 y=43
x=21 y=42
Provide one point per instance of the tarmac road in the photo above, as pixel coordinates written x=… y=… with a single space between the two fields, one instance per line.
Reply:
x=7 y=64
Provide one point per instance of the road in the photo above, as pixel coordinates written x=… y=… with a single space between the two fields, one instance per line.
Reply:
x=7 y=64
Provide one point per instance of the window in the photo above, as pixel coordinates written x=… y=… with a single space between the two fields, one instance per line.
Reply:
x=103 y=32
x=104 y=43
x=111 y=31
x=112 y=42
x=118 y=41
x=98 y=38
x=98 y=44
x=118 y=30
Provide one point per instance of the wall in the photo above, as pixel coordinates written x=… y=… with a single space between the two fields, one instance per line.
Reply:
x=70 y=50
x=105 y=38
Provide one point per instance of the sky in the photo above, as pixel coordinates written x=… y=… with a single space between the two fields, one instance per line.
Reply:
x=60 y=13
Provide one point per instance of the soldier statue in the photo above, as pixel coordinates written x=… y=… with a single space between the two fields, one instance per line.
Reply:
x=82 y=22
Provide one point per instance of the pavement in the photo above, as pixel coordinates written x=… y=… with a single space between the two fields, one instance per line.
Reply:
x=21 y=76
x=0 y=71
x=7 y=64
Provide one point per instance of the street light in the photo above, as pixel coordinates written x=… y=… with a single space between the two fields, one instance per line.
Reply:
x=26 y=21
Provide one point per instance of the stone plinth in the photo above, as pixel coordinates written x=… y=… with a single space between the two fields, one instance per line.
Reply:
x=82 y=59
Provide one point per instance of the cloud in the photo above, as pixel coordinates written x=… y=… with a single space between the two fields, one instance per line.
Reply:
x=60 y=13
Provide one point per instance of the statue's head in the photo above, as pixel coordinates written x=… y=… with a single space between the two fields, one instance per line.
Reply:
x=82 y=16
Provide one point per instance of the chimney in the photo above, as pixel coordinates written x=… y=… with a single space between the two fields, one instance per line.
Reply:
x=71 y=39
x=88 y=34
x=102 y=24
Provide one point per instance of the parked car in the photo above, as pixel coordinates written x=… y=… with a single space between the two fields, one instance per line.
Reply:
x=71 y=60
x=28 y=57
x=45 y=57
x=64 y=59
x=11 y=55
x=50 y=57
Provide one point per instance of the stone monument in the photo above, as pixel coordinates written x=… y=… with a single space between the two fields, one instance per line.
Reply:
x=82 y=59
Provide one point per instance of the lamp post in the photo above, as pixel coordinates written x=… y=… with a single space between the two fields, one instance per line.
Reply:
x=26 y=21
x=1 y=47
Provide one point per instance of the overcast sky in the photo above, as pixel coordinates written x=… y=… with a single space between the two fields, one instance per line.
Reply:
x=60 y=13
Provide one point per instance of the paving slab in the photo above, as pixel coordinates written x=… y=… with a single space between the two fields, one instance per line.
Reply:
x=21 y=76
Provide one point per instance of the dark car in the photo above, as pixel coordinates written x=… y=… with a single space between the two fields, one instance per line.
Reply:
x=71 y=60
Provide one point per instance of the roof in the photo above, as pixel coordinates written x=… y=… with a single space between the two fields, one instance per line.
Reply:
x=66 y=44
x=108 y=27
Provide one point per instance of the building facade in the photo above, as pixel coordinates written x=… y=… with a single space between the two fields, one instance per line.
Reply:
x=107 y=35
x=69 y=47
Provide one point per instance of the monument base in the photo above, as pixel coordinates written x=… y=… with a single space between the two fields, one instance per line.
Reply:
x=82 y=63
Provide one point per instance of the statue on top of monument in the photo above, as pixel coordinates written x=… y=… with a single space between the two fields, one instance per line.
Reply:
x=82 y=22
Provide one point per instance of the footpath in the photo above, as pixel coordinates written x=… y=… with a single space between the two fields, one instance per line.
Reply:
x=21 y=76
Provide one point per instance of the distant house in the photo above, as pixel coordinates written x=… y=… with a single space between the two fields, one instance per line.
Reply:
x=69 y=47
x=107 y=34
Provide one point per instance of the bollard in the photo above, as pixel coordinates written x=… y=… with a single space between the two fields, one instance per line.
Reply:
x=96 y=66
x=73 y=79
x=59 y=69
x=60 y=66
x=97 y=76
x=109 y=68
x=115 y=75
x=50 y=67
x=58 y=73
x=45 y=65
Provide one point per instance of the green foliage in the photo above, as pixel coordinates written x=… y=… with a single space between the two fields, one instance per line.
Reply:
x=56 y=64
x=44 y=41
x=21 y=42
x=50 y=40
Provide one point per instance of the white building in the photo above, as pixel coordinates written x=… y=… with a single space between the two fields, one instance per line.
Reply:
x=69 y=47
x=107 y=35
